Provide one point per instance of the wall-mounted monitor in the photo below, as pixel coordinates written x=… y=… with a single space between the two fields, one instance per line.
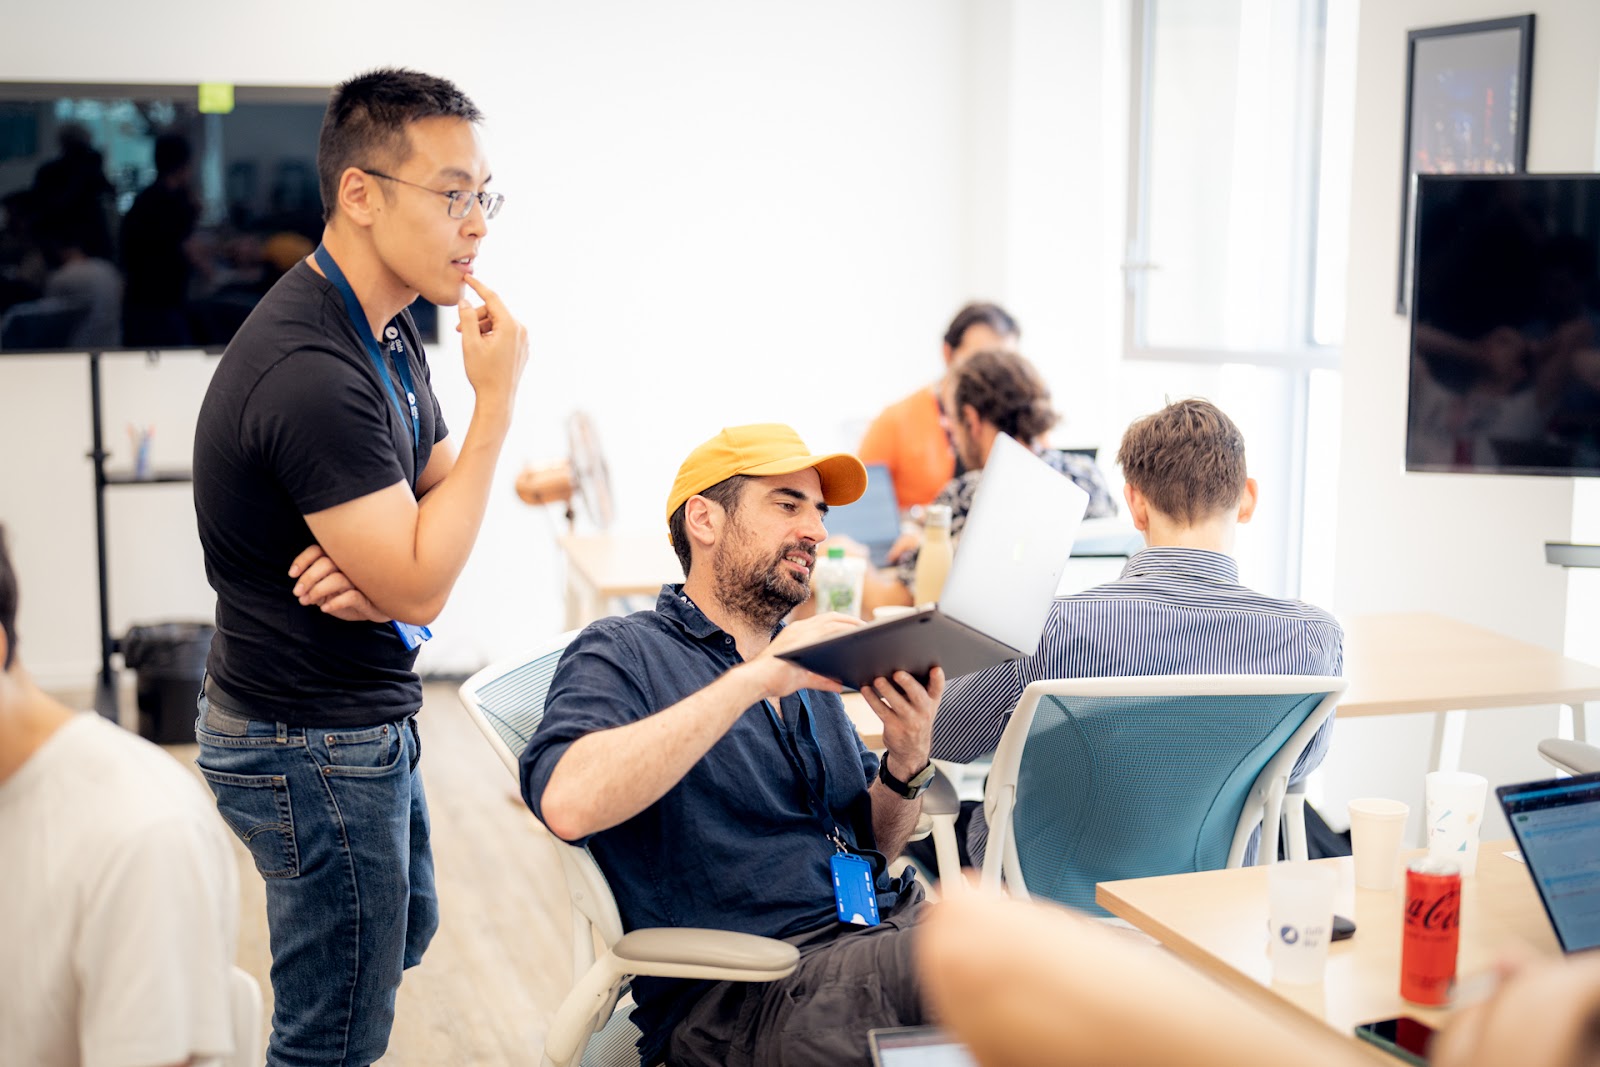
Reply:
x=147 y=217
x=1505 y=326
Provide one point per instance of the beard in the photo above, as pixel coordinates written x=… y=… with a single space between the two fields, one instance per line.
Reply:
x=757 y=586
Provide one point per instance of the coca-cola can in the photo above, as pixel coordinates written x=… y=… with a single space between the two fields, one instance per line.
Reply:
x=1432 y=930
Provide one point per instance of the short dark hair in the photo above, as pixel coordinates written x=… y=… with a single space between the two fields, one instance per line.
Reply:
x=1006 y=391
x=1187 y=459
x=367 y=119
x=8 y=602
x=726 y=493
x=993 y=316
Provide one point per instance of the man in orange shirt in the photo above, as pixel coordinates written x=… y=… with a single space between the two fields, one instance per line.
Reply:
x=908 y=436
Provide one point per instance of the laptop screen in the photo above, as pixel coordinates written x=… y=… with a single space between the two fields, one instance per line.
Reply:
x=1557 y=826
x=917 y=1046
x=874 y=520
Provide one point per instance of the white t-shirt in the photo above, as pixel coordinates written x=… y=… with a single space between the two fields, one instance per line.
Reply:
x=119 y=906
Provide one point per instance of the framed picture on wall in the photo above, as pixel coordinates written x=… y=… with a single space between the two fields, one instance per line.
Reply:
x=1466 y=110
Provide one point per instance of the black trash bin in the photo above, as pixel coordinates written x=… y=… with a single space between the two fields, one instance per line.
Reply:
x=170 y=660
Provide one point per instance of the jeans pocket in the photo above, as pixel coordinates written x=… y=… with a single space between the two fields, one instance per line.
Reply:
x=371 y=751
x=256 y=808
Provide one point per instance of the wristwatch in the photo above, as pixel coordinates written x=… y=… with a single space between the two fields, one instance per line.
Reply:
x=910 y=790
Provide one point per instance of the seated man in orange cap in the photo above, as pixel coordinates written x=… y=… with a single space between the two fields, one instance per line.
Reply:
x=719 y=786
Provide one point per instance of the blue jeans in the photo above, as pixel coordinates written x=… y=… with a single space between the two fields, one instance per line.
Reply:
x=337 y=824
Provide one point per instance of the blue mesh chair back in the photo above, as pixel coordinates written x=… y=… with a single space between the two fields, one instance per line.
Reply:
x=511 y=697
x=1128 y=785
x=616 y=1044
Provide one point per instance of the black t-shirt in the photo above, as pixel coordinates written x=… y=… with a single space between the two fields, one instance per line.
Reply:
x=297 y=420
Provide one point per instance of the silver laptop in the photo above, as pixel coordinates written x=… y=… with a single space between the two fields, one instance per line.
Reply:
x=1018 y=536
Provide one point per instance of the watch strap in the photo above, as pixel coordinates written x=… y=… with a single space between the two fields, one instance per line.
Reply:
x=909 y=790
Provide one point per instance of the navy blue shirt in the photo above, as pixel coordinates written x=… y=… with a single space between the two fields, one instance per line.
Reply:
x=738 y=843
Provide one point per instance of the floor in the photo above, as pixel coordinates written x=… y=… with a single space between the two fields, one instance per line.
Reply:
x=500 y=962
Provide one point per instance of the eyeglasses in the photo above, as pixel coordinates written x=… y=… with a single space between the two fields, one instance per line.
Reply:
x=460 y=199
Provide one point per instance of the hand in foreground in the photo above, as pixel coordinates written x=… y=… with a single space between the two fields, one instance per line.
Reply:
x=494 y=345
x=1562 y=994
x=784 y=677
x=907 y=710
x=320 y=582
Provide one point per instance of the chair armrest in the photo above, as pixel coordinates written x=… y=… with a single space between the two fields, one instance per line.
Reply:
x=1574 y=757
x=696 y=953
x=940 y=798
x=718 y=955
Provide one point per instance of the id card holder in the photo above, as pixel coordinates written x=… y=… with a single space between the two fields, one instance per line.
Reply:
x=853 y=891
x=413 y=636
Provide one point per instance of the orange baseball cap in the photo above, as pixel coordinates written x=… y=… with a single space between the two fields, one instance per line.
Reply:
x=762 y=449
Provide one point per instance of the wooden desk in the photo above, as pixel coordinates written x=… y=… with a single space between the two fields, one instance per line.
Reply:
x=1217 y=921
x=602 y=568
x=1421 y=662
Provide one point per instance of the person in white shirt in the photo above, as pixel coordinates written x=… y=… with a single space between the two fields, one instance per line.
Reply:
x=119 y=907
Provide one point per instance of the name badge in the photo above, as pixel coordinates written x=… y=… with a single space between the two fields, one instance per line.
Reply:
x=413 y=636
x=853 y=892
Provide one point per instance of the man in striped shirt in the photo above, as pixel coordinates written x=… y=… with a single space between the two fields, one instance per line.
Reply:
x=1178 y=607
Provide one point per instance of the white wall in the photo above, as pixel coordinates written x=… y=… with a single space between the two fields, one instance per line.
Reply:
x=1465 y=546
x=717 y=213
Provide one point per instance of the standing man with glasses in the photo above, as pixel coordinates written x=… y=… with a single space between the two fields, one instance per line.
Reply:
x=336 y=512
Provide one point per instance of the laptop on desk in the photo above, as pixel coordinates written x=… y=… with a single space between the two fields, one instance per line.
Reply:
x=1017 y=538
x=1557 y=827
x=873 y=521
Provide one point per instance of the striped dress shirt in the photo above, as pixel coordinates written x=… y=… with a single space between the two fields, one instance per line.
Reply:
x=1173 y=611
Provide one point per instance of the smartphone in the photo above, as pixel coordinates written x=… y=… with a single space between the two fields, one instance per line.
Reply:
x=1404 y=1037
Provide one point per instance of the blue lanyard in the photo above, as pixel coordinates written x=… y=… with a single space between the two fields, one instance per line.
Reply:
x=819 y=804
x=413 y=636
x=402 y=361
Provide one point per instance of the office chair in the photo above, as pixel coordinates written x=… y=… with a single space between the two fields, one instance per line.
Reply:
x=506 y=702
x=1099 y=779
x=1573 y=757
x=249 y=1042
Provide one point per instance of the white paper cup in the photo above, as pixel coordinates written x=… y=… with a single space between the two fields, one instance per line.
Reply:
x=1300 y=917
x=1377 y=827
x=1454 y=802
x=890 y=611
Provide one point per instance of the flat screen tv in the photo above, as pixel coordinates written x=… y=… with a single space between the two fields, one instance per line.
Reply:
x=141 y=217
x=1505 y=326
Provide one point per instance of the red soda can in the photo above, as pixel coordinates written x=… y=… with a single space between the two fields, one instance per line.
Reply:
x=1432 y=930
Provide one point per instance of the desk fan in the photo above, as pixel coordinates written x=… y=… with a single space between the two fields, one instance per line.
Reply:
x=581 y=477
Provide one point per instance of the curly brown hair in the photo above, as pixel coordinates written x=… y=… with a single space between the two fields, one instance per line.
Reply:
x=1006 y=392
x=1187 y=459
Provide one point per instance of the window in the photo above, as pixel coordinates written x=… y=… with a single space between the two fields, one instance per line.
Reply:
x=1237 y=221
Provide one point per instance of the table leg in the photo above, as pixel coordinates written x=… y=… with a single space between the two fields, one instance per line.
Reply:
x=1449 y=727
x=1580 y=725
x=582 y=603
